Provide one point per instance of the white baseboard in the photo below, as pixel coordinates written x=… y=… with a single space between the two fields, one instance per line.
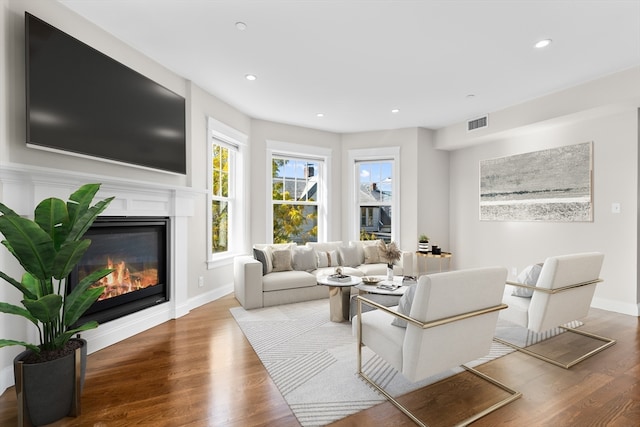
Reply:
x=212 y=295
x=616 y=306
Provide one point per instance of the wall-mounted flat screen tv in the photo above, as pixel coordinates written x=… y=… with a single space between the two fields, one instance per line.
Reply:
x=81 y=101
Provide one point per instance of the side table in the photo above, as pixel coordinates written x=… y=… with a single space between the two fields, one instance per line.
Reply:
x=339 y=295
x=443 y=256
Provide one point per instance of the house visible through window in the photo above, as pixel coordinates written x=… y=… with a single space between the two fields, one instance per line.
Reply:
x=375 y=199
x=295 y=199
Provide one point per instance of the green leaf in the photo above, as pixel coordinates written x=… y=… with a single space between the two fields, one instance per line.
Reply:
x=80 y=304
x=30 y=244
x=4 y=209
x=80 y=201
x=22 y=287
x=62 y=339
x=45 y=309
x=86 y=218
x=52 y=216
x=7 y=343
x=68 y=256
x=32 y=285
x=19 y=311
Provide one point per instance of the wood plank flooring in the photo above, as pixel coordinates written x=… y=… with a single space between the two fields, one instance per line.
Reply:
x=200 y=371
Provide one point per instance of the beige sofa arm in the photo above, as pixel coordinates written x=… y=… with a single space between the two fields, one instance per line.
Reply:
x=247 y=281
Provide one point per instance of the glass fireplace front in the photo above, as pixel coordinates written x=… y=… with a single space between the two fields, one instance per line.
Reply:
x=137 y=248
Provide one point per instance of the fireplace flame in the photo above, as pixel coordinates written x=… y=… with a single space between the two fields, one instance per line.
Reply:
x=122 y=280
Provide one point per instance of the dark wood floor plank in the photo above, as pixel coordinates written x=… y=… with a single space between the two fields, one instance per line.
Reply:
x=200 y=371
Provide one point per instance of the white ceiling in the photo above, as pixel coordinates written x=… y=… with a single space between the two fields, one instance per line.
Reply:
x=356 y=60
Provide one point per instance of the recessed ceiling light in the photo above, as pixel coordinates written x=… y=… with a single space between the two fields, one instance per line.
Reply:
x=250 y=77
x=241 y=26
x=542 y=43
x=395 y=110
x=320 y=115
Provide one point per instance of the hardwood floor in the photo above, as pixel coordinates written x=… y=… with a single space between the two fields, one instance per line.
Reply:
x=200 y=370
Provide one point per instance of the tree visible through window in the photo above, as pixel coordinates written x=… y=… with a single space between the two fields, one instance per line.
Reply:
x=295 y=199
x=375 y=199
x=220 y=198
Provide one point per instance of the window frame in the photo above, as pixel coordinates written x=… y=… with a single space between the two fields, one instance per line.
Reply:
x=230 y=138
x=320 y=155
x=354 y=158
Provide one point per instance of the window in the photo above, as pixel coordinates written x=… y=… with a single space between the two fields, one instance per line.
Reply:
x=375 y=197
x=298 y=178
x=294 y=197
x=226 y=216
x=221 y=196
x=375 y=188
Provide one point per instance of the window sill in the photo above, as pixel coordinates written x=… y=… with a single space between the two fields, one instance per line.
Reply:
x=221 y=260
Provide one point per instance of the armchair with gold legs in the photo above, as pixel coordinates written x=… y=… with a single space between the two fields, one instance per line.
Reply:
x=452 y=321
x=562 y=294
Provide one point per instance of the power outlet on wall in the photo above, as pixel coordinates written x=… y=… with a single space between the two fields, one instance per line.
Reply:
x=200 y=282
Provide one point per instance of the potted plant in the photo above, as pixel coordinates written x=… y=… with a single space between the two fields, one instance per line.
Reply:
x=48 y=248
x=423 y=243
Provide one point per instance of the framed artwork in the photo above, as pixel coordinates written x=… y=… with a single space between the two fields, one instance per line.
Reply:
x=546 y=185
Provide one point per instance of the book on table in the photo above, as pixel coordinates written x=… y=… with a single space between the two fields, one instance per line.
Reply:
x=342 y=278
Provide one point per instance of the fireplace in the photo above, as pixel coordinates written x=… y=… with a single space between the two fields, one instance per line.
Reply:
x=137 y=248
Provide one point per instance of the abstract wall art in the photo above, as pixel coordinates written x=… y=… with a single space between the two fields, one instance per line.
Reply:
x=547 y=185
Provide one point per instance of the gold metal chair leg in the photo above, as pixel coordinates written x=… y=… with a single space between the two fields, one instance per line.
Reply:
x=608 y=342
x=513 y=395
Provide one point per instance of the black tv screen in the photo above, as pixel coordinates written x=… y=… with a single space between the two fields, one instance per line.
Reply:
x=83 y=102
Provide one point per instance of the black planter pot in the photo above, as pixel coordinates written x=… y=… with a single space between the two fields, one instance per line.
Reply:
x=49 y=391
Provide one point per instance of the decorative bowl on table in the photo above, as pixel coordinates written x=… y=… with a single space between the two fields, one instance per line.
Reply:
x=368 y=280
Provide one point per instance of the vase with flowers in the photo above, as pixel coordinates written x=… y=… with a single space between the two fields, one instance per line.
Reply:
x=391 y=254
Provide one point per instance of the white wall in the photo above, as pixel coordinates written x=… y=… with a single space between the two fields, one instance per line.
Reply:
x=424 y=182
x=518 y=244
x=262 y=132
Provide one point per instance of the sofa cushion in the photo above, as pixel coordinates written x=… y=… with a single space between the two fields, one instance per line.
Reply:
x=287 y=280
x=282 y=260
x=404 y=306
x=349 y=256
x=528 y=276
x=304 y=259
x=264 y=256
x=371 y=254
x=327 y=259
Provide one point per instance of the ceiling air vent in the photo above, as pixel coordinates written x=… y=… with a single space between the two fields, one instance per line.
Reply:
x=479 y=123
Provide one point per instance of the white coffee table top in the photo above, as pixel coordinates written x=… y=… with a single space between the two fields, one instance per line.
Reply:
x=376 y=288
x=324 y=280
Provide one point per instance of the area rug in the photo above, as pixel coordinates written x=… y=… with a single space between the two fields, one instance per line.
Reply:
x=312 y=361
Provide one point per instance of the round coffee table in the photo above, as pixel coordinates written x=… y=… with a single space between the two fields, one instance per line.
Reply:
x=339 y=294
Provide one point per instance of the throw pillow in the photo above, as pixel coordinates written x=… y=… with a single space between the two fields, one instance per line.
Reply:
x=327 y=259
x=264 y=256
x=282 y=260
x=528 y=276
x=371 y=255
x=304 y=259
x=404 y=306
x=349 y=256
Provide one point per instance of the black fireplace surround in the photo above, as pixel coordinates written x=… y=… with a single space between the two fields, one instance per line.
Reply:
x=138 y=250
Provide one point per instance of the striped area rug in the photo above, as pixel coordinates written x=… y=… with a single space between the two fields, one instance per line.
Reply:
x=313 y=361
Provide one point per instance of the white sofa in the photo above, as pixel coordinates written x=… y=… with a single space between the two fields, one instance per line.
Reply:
x=256 y=284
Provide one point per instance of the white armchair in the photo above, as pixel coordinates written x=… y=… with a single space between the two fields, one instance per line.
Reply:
x=452 y=321
x=562 y=294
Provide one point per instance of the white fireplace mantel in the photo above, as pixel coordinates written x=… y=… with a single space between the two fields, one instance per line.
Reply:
x=23 y=186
